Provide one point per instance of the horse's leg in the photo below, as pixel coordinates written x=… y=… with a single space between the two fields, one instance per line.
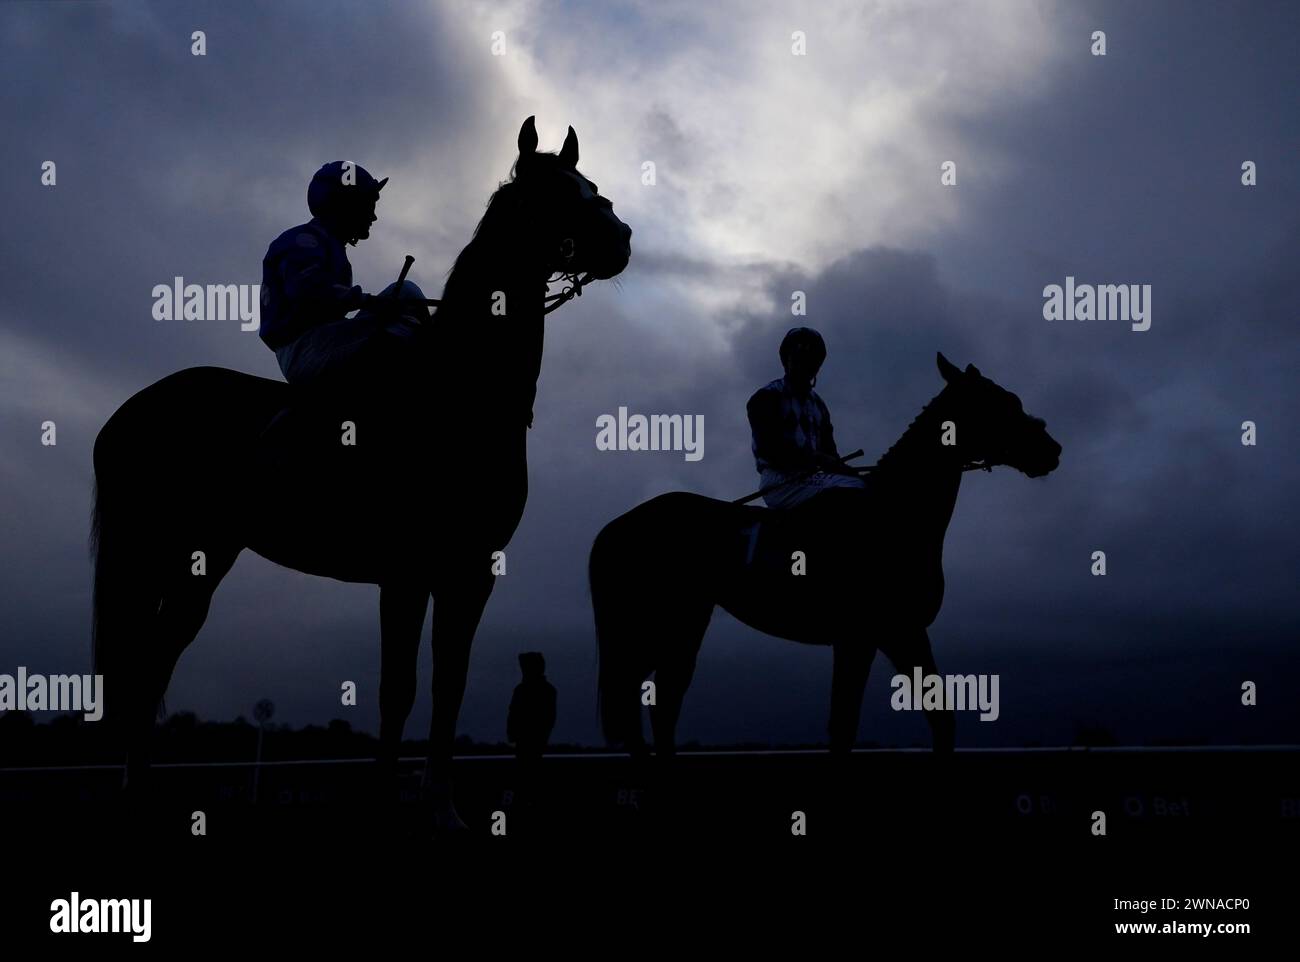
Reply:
x=848 y=682
x=401 y=617
x=181 y=613
x=913 y=651
x=457 y=607
x=673 y=676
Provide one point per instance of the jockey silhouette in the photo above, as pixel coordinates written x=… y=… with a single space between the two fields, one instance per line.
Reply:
x=307 y=290
x=794 y=447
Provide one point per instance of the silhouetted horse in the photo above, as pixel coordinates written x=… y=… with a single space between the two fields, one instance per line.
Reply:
x=416 y=504
x=873 y=561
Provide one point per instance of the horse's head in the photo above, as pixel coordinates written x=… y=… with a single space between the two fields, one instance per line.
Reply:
x=576 y=227
x=992 y=426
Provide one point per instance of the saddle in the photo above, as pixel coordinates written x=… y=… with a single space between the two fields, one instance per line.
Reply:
x=326 y=427
x=821 y=528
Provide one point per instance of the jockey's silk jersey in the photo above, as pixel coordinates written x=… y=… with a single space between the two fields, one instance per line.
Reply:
x=306 y=282
x=788 y=430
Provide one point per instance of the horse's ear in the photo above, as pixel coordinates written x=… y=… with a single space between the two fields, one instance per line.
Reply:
x=972 y=370
x=949 y=370
x=569 y=152
x=528 y=137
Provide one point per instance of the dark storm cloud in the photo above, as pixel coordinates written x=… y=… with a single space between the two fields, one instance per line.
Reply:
x=174 y=164
x=1125 y=173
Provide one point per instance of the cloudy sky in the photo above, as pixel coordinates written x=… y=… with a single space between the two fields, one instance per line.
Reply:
x=775 y=173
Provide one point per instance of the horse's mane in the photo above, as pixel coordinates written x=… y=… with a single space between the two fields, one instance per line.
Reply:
x=891 y=456
x=491 y=226
x=488 y=230
x=464 y=343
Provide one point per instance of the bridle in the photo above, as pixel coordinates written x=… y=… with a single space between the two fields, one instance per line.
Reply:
x=574 y=289
x=565 y=275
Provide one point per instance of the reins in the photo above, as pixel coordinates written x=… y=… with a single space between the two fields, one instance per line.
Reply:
x=968 y=466
x=568 y=293
x=866 y=469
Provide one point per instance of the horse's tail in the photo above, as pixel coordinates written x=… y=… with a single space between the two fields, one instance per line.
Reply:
x=618 y=673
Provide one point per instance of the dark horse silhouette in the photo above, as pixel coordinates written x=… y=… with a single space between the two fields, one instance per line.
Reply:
x=873 y=560
x=417 y=503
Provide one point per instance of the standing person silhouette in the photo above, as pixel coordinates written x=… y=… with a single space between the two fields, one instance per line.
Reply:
x=532 y=709
x=529 y=722
x=793 y=442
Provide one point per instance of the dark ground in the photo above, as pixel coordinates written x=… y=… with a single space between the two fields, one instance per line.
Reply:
x=1016 y=796
x=995 y=839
